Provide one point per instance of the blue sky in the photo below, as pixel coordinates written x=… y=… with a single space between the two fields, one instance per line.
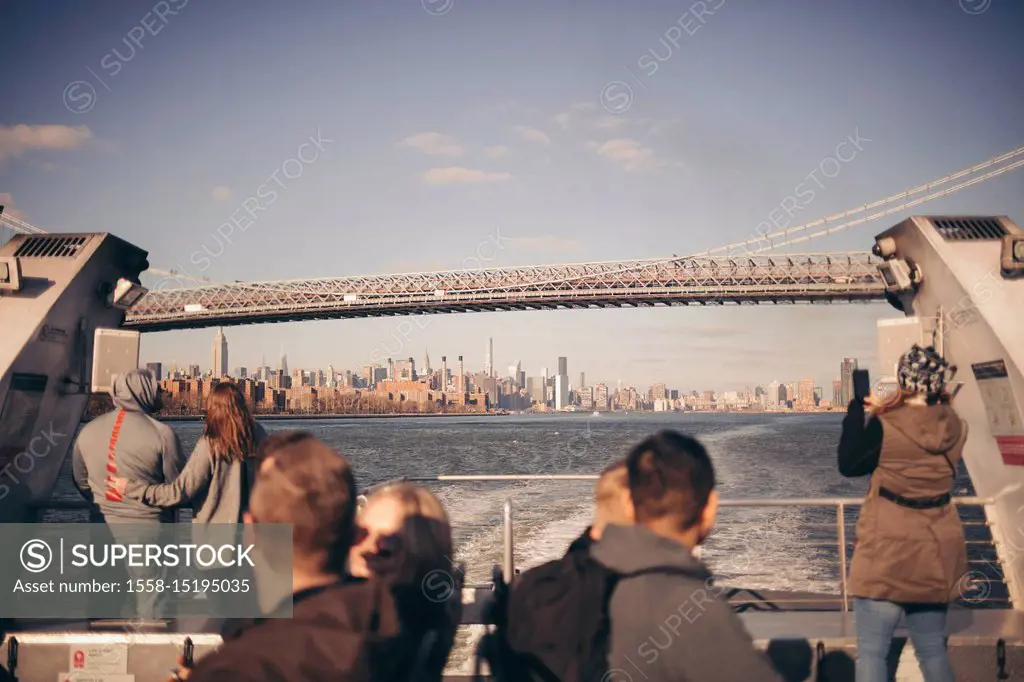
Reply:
x=444 y=123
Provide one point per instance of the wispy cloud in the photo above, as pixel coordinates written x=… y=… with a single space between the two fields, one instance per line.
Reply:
x=545 y=243
x=455 y=175
x=610 y=122
x=434 y=144
x=221 y=194
x=585 y=115
x=497 y=151
x=18 y=139
x=630 y=154
x=532 y=134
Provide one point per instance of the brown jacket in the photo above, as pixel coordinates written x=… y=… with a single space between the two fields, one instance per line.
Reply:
x=329 y=637
x=907 y=555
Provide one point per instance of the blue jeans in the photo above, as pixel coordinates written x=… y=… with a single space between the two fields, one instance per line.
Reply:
x=876 y=621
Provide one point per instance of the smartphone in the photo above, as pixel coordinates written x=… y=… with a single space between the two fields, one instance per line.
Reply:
x=861 y=384
x=187 y=654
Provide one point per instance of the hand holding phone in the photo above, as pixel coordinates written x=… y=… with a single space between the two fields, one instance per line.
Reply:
x=861 y=384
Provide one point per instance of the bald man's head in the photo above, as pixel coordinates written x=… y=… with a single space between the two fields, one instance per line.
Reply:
x=612 y=499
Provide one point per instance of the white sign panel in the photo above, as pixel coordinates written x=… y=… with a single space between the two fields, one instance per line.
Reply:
x=87 y=676
x=98 y=658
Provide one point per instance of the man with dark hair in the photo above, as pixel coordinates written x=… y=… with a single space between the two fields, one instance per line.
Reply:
x=612 y=505
x=667 y=620
x=305 y=483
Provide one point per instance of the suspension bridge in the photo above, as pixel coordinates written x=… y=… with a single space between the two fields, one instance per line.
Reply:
x=739 y=273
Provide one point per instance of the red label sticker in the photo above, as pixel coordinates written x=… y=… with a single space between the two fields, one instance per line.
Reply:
x=1012 y=449
x=79 y=659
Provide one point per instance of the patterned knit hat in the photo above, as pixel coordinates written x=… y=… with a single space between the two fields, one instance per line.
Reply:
x=923 y=370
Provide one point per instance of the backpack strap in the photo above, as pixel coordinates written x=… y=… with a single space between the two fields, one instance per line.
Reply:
x=115 y=433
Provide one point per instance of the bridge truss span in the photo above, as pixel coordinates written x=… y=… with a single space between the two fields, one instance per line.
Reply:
x=789 y=278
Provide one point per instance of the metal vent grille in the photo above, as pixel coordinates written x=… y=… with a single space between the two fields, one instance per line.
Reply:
x=969 y=229
x=37 y=246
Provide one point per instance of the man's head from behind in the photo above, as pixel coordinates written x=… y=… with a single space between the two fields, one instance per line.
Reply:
x=672 y=487
x=304 y=482
x=613 y=505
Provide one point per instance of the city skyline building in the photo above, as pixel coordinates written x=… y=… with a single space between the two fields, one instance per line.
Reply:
x=219 y=366
x=489 y=358
x=846 y=370
x=561 y=391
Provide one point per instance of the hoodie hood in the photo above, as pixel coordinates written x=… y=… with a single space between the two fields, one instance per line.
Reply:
x=935 y=428
x=629 y=549
x=136 y=391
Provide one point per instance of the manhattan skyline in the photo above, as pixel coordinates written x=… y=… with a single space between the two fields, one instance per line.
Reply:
x=484 y=365
x=499 y=134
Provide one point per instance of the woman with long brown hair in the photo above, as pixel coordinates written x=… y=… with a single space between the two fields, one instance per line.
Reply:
x=221 y=470
x=910 y=556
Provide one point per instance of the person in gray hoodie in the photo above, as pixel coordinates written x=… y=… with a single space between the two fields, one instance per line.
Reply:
x=127 y=442
x=668 y=620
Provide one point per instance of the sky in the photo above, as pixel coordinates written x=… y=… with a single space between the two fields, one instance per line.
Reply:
x=402 y=136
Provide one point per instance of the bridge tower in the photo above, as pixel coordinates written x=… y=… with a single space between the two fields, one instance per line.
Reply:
x=959 y=281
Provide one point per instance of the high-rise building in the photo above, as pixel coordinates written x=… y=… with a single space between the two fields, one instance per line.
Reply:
x=772 y=397
x=241 y=373
x=806 y=392
x=284 y=362
x=220 y=354
x=837 y=392
x=156 y=369
x=658 y=392
x=515 y=371
x=583 y=380
x=846 y=378
x=563 y=366
x=489 y=358
x=561 y=391
x=426 y=363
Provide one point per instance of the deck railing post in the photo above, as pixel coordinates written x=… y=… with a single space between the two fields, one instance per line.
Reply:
x=509 y=560
x=841 y=531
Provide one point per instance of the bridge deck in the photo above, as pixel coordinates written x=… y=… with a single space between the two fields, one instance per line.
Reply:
x=815 y=278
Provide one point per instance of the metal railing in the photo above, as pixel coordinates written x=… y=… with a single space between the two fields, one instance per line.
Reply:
x=841 y=505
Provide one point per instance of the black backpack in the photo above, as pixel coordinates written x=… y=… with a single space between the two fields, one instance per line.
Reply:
x=552 y=625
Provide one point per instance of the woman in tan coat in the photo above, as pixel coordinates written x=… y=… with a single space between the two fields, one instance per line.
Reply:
x=910 y=554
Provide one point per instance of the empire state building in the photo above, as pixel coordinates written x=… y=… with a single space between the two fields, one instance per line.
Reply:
x=220 y=354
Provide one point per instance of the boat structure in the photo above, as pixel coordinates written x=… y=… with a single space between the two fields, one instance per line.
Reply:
x=957 y=279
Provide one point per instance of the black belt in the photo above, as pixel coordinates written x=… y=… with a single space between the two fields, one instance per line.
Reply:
x=916 y=503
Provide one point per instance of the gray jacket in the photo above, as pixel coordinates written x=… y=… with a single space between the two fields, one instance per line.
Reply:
x=672 y=627
x=146 y=450
x=211 y=484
